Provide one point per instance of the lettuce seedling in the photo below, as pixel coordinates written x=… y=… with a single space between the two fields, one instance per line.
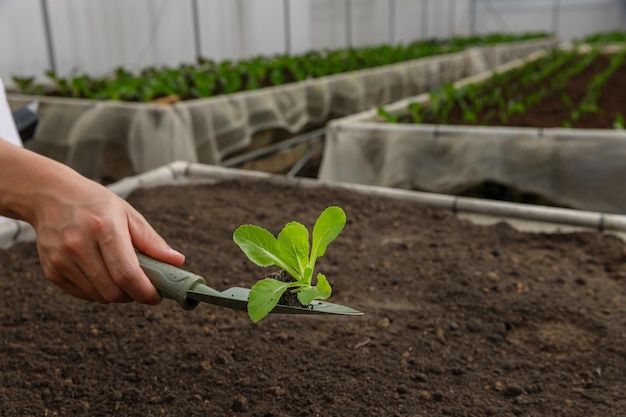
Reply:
x=291 y=252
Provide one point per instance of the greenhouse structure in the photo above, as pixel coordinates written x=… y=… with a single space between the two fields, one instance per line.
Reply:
x=313 y=207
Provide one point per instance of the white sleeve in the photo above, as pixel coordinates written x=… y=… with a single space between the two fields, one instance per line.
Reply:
x=8 y=131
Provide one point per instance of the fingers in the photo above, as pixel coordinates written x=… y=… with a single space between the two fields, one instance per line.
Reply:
x=99 y=275
x=148 y=241
x=123 y=266
x=118 y=253
x=83 y=275
x=73 y=290
x=88 y=293
x=88 y=249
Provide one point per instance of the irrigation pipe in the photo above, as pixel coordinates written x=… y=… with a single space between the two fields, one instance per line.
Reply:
x=275 y=148
x=313 y=148
x=180 y=173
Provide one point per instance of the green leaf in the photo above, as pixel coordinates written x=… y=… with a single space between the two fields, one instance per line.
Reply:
x=260 y=246
x=293 y=243
x=387 y=116
x=289 y=251
x=264 y=296
x=327 y=227
x=415 y=109
x=25 y=84
x=321 y=291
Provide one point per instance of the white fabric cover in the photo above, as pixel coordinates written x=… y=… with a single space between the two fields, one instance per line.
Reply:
x=8 y=131
x=576 y=168
x=113 y=139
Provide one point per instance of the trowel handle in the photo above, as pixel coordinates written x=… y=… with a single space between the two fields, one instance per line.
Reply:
x=170 y=281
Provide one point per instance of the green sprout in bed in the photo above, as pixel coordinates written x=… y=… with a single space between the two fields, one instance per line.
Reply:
x=294 y=254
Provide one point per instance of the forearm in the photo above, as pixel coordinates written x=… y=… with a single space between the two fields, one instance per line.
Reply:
x=29 y=181
x=86 y=235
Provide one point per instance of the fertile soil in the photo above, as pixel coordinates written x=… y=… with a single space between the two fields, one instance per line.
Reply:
x=553 y=111
x=460 y=320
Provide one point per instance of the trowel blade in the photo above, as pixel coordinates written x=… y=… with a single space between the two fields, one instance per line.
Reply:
x=237 y=298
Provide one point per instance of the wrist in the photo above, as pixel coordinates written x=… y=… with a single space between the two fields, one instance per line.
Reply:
x=29 y=182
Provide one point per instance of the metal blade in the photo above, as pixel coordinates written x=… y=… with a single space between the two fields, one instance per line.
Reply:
x=237 y=298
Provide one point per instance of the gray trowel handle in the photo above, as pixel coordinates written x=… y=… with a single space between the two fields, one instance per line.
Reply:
x=171 y=282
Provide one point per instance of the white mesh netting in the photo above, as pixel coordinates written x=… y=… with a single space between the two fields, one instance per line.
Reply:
x=106 y=139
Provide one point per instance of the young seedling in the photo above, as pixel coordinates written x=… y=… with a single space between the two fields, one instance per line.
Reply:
x=292 y=252
x=387 y=116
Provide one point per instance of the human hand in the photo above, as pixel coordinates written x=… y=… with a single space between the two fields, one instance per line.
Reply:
x=86 y=235
x=86 y=242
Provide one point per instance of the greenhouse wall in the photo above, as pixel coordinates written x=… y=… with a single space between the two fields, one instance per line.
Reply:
x=73 y=36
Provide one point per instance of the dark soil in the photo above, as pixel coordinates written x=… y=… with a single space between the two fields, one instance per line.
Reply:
x=553 y=111
x=288 y=298
x=461 y=320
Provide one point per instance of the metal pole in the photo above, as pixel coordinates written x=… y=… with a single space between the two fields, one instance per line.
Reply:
x=392 y=21
x=48 y=33
x=424 y=19
x=196 y=29
x=452 y=17
x=556 y=15
x=472 y=15
x=349 y=23
x=287 y=23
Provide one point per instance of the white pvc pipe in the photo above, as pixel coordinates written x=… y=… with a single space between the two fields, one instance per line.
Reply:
x=181 y=173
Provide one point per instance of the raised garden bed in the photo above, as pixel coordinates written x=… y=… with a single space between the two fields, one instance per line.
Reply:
x=548 y=127
x=460 y=319
x=562 y=88
x=107 y=140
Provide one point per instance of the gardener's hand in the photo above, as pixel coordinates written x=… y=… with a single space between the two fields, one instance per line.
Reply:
x=86 y=235
x=86 y=245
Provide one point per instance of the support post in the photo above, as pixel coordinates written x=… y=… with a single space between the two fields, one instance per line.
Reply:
x=349 y=23
x=556 y=16
x=424 y=19
x=472 y=16
x=392 y=21
x=48 y=32
x=287 y=26
x=197 y=41
x=452 y=17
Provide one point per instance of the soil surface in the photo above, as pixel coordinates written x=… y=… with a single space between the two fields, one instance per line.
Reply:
x=460 y=320
x=553 y=111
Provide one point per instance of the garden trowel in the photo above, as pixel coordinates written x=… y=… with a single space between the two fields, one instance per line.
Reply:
x=188 y=289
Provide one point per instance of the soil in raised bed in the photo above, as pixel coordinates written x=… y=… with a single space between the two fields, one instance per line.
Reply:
x=553 y=112
x=460 y=320
x=550 y=113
